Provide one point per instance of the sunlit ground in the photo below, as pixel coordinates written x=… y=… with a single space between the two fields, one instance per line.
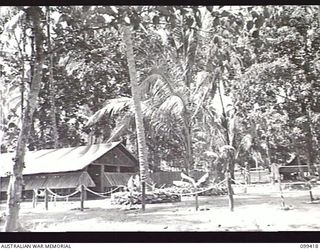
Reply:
x=257 y=210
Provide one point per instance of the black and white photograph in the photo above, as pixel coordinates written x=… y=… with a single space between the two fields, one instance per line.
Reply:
x=160 y=118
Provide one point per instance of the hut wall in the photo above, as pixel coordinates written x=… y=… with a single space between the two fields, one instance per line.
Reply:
x=116 y=157
x=256 y=176
x=116 y=160
x=65 y=183
x=127 y=170
x=95 y=173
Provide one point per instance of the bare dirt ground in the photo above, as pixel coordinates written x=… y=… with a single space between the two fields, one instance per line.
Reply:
x=257 y=210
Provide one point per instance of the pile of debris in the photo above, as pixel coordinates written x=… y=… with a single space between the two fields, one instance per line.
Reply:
x=190 y=190
x=178 y=190
x=215 y=191
x=157 y=196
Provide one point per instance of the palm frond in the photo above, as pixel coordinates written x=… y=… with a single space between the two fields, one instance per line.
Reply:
x=122 y=126
x=161 y=87
x=145 y=85
x=245 y=144
x=200 y=103
x=111 y=108
x=201 y=79
x=176 y=37
x=172 y=105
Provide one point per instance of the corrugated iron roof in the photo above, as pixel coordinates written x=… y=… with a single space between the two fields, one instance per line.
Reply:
x=56 y=160
x=63 y=180
x=117 y=179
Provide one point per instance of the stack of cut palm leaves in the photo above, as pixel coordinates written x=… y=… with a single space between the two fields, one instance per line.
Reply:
x=157 y=196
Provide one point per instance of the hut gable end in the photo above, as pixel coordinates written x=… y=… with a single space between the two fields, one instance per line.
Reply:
x=116 y=157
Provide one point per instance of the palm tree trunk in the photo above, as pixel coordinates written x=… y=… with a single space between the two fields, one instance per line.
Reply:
x=136 y=95
x=16 y=180
x=230 y=190
x=189 y=158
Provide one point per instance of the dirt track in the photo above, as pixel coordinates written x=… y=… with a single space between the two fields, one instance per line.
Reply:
x=255 y=211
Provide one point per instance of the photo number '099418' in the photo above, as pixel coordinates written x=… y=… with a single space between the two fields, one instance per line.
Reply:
x=306 y=246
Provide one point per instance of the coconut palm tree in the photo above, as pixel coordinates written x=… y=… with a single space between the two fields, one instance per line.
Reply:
x=136 y=96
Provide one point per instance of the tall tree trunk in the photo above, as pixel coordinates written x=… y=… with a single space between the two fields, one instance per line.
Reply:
x=22 y=86
x=136 y=95
x=230 y=190
x=225 y=125
x=269 y=164
x=190 y=55
x=16 y=180
x=308 y=74
x=231 y=161
x=188 y=158
x=54 y=132
x=309 y=139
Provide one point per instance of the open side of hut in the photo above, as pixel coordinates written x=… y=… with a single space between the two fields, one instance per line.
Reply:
x=292 y=169
x=67 y=168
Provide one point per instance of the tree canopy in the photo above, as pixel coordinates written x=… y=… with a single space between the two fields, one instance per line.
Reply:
x=211 y=78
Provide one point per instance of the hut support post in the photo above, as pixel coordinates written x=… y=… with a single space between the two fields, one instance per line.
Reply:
x=273 y=169
x=311 y=196
x=34 y=198
x=259 y=174
x=283 y=203
x=245 y=181
x=82 y=197
x=101 y=178
x=46 y=198
x=197 y=201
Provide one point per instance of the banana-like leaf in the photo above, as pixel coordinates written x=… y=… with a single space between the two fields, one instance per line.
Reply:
x=202 y=179
x=191 y=180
